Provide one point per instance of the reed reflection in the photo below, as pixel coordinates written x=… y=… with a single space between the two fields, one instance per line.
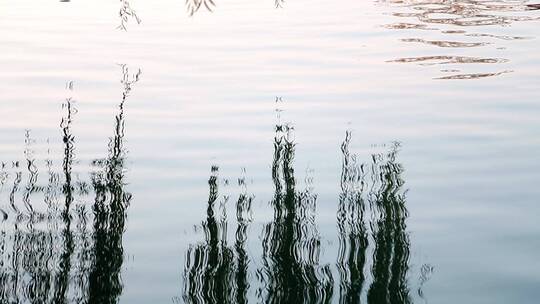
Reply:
x=109 y=209
x=458 y=22
x=353 y=234
x=291 y=271
x=216 y=271
x=372 y=194
x=244 y=219
x=391 y=241
x=209 y=271
x=373 y=257
x=54 y=250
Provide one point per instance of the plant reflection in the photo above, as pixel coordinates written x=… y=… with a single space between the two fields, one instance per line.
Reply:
x=193 y=6
x=244 y=218
x=375 y=188
x=216 y=272
x=109 y=210
x=353 y=235
x=291 y=271
x=391 y=255
x=210 y=265
x=371 y=214
x=64 y=254
x=126 y=13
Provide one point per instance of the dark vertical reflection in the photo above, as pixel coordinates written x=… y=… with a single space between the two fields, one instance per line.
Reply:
x=62 y=280
x=391 y=254
x=69 y=150
x=353 y=236
x=371 y=218
x=243 y=217
x=209 y=269
x=216 y=272
x=31 y=186
x=291 y=272
x=60 y=252
x=15 y=188
x=379 y=186
x=110 y=204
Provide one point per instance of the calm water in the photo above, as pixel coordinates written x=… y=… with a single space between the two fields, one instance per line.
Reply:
x=269 y=151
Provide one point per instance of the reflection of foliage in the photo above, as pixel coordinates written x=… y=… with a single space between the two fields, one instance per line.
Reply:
x=243 y=216
x=126 y=13
x=353 y=237
x=391 y=256
x=386 y=201
x=193 y=6
x=371 y=209
x=69 y=154
x=111 y=201
x=216 y=272
x=210 y=265
x=57 y=257
x=291 y=272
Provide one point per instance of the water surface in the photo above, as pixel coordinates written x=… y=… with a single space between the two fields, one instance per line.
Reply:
x=269 y=152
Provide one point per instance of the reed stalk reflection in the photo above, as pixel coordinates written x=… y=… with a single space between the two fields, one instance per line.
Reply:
x=371 y=218
x=65 y=253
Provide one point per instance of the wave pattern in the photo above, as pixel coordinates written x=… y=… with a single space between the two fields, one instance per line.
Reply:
x=458 y=22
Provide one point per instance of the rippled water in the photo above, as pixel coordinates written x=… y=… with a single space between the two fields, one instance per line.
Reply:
x=209 y=151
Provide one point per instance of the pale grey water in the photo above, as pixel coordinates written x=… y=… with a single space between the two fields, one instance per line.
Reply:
x=456 y=83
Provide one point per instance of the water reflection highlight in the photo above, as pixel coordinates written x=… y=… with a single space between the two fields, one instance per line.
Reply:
x=455 y=21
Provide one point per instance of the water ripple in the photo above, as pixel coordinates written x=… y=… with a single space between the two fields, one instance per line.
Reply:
x=456 y=18
x=436 y=60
